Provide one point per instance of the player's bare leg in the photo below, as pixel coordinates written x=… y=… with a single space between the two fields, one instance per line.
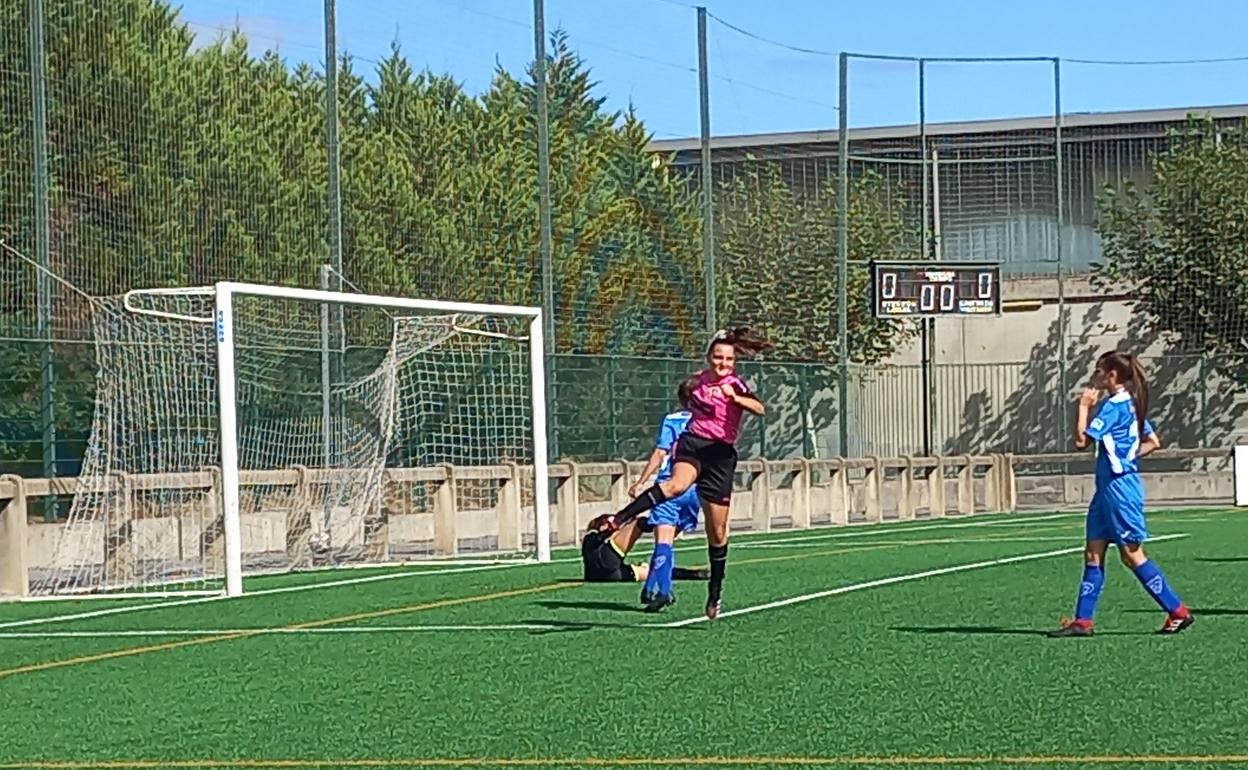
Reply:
x=716 y=515
x=683 y=475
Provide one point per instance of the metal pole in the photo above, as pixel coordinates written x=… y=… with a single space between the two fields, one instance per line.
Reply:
x=543 y=193
x=43 y=245
x=1063 y=395
x=925 y=342
x=938 y=253
x=923 y=144
x=842 y=252
x=708 y=187
x=334 y=178
x=331 y=144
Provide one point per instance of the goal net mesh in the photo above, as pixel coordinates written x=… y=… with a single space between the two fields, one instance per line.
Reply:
x=330 y=467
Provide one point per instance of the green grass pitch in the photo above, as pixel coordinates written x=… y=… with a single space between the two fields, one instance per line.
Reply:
x=916 y=644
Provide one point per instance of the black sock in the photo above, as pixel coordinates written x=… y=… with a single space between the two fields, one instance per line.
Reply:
x=640 y=504
x=684 y=573
x=719 y=562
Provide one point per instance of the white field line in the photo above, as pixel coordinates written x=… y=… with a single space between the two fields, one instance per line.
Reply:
x=865 y=530
x=892 y=581
x=941 y=541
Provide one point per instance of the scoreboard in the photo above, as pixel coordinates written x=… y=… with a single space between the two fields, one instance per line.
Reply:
x=916 y=289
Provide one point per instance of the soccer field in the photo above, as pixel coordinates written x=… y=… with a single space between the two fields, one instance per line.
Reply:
x=917 y=644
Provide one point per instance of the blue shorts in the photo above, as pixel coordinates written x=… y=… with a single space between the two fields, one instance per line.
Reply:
x=1116 y=512
x=680 y=512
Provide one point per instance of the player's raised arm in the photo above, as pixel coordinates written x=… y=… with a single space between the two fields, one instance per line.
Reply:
x=653 y=463
x=1083 y=423
x=744 y=398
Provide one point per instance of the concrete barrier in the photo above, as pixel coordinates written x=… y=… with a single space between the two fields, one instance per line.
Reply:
x=447 y=510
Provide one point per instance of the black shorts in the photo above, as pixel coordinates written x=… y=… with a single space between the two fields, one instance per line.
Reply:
x=716 y=462
x=602 y=563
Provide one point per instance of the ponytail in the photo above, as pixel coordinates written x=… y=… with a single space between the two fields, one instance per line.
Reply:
x=744 y=339
x=1130 y=372
x=1137 y=386
x=684 y=391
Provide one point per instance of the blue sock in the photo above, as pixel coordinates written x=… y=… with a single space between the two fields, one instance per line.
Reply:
x=1154 y=581
x=664 y=561
x=652 y=576
x=1089 y=591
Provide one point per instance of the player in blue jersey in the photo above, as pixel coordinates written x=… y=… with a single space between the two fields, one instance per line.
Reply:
x=671 y=517
x=1122 y=435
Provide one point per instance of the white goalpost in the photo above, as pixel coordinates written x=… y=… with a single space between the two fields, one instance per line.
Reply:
x=231 y=437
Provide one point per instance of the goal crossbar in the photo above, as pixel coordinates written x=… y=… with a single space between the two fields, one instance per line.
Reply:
x=374 y=300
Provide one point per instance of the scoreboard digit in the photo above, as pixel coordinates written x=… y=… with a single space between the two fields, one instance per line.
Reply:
x=935 y=289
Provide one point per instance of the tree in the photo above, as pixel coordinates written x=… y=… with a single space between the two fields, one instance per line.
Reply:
x=1179 y=245
x=778 y=262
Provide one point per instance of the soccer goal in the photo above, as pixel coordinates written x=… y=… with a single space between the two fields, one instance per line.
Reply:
x=243 y=429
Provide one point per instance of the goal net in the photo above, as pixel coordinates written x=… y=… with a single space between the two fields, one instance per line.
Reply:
x=246 y=429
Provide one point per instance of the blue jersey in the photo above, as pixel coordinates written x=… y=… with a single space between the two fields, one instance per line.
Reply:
x=1116 y=431
x=673 y=426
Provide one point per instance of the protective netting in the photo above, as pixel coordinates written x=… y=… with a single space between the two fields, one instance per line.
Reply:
x=319 y=420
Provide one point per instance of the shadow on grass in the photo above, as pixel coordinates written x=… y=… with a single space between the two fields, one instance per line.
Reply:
x=1202 y=611
x=565 y=626
x=996 y=631
x=552 y=604
x=1227 y=560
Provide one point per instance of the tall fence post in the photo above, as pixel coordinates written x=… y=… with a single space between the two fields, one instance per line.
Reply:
x=708 y=187
x=332 y=148
x=41 y=188
x=543 y=205
x=336 y=327
x=1062 y=387
x=842 y=256
x=925 y=324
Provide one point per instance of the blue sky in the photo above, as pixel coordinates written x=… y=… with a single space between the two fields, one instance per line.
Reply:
x=644 y=52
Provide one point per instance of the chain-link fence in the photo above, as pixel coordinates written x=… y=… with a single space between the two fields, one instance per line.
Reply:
x=142 y=146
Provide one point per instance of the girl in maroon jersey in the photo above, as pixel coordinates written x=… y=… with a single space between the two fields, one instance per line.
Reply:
x=706 y=453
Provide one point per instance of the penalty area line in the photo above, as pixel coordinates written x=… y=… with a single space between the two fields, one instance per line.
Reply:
x=894 y=580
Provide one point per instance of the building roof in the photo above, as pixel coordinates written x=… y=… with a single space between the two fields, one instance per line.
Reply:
x=1075 y=120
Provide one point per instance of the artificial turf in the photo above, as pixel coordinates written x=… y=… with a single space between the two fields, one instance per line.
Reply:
x=948 y=670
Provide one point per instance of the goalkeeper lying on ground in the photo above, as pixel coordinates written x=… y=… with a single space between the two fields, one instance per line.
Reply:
x=603 y=553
